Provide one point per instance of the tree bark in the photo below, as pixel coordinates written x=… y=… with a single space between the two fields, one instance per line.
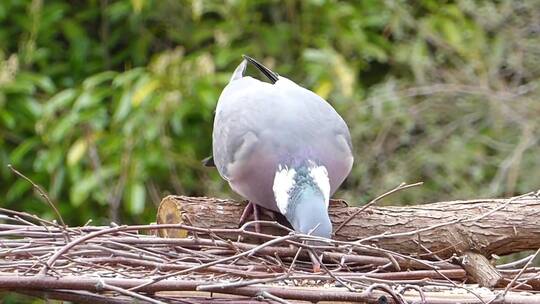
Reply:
x=485 y=226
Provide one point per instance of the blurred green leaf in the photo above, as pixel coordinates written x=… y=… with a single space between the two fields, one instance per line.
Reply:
x=137 y=198
x=124 y=106
x=85 y=100
x=43 y=82
x=143 y=90
x=60 y=101
x=64 y=126
x=84 y=186
x=98 y=79
x=76 y=151
x=8 y=119
x=28 y=146
x=17 y=189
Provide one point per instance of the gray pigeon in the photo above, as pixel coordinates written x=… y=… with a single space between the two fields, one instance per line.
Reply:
x=281 y=147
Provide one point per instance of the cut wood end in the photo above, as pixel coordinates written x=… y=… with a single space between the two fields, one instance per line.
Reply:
x=170 y=213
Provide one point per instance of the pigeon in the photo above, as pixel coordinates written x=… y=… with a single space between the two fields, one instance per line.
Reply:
x=281 y=146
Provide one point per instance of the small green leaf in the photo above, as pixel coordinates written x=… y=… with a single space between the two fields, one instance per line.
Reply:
x=137 y=195
x=59 y=101
x=97 y=79
x=22 y=150
x=85 y=100
x=123 y=107
x=84 y=186
x=144 y=91
x=81 y=190
x=17 y=190
x=21 y=85
x=8 y=119
x=77 y=151
x=127 y=77
x=65 y=125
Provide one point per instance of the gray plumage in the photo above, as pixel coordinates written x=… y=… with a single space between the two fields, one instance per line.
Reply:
x=261 y=126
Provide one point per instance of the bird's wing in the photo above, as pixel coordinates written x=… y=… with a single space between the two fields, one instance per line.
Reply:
x=238 y=74
x=238 y=122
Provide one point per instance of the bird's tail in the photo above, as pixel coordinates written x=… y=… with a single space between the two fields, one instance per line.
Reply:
x=272 y=76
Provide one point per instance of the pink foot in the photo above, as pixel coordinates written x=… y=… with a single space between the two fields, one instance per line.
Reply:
x=251 y=208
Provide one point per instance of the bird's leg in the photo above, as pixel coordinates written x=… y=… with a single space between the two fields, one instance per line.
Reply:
x=257 y=212
x=251 y=208
x=248 y=210
x=256 y=217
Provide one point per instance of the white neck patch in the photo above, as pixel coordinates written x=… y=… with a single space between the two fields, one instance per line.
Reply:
x=319 y=174
x=283 y=184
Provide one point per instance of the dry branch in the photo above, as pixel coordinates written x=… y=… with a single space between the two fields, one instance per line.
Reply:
x=304 y=294
x=122 y=264
x=486 y=226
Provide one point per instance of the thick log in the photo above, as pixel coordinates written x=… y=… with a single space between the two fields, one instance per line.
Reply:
x=486 y=226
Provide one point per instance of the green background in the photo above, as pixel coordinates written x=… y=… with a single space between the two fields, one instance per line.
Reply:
x=109 y=104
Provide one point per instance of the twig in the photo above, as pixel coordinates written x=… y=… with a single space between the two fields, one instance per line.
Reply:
x=102 y=285
x=331 y=274
x=167 y=269
x=400 y=187
x=217 y=287
x=41 y=193
x=417 y=288
x=267 y=295
x=517 y=263
x=74 y=296
x=397 y=297
x=518 y=275
x=291 y=267
x=245 y=253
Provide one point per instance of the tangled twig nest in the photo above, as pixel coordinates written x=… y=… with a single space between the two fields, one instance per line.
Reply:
x=118 y=264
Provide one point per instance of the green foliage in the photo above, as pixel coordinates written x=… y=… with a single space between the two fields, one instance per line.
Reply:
x=109 y=104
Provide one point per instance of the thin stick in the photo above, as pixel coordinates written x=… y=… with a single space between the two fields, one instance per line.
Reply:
x=102 y=285
x=417 y=288
x=245 y=253
x=329 y=272
x=216 y=287
x=124 y=258
x=519 y=274
x=400 y=187
x=305 y=294
x=41 y=193
x=74 y=296
x=267 y=295
x=397 y=297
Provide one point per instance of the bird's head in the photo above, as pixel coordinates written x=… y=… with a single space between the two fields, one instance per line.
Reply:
x=302 y=194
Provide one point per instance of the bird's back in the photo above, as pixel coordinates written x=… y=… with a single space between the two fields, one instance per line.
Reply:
x=259 y=126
